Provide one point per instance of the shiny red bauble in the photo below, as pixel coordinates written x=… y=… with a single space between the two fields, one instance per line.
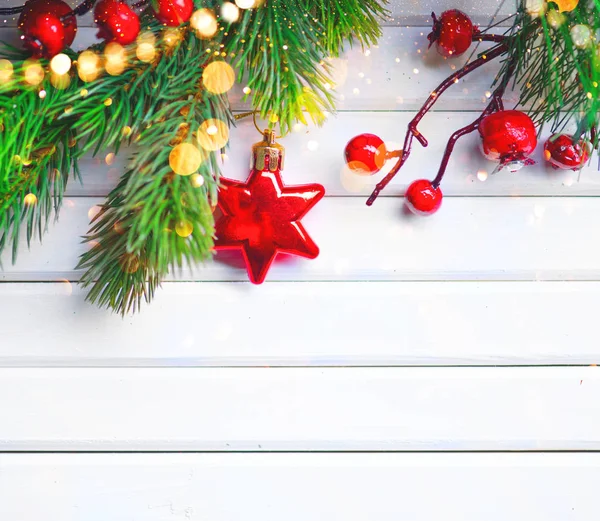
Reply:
x=452 y=33
x=116 y=21
x=173 y=12
x=48 y=27
x=508 y=136
x=422 y=198
x=563 y=153
x=365 y=154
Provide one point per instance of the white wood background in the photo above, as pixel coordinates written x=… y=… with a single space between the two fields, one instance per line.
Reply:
x=419 y=369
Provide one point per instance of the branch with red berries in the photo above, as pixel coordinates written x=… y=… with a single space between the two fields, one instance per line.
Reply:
x=549 y=88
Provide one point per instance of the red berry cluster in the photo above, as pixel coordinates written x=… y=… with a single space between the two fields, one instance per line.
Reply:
x=50 y=26
x=507 y=136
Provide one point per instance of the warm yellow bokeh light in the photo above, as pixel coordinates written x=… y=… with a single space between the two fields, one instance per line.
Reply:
x=230 y=12
x=146 y=52
x=6 y=71
x=205 y=23
x=60 y=81
x=185 y=159
x=88 y=66
x=34 y=72
x=218 y=77
x=184 y=229
x=213 y=134
x=115 y=58
x=60 y=64
x=30 y=199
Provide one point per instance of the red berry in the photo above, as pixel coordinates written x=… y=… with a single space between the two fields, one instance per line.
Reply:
x=47 y=30
x=508 y=136
x=366 y=154
x=422 y=198
x=563 y=153
x=452 y=33
x=116 y=21
x=173 y=12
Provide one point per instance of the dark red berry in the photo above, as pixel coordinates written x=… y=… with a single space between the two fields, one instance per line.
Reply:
x=366 y=154
x=508 y=136
x=173 y=12
x=452 y=33
x=562 y=152
x=422 y=198
x=117 y=22
x=47 y=26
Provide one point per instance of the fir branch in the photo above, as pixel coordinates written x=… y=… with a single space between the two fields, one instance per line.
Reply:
x=278 y=52
x=140 y=235
x=346 y=20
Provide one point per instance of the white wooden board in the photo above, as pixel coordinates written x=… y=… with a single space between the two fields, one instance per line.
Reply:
x=290 y=409
x=314 y=324
x=299 y=487
x=316 y=154
x=482 y=238
x=397 y=74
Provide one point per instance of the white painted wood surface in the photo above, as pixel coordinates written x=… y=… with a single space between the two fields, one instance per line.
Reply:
x=297 y=487
x=300 y=409
x=369 y=324
x=323 y=356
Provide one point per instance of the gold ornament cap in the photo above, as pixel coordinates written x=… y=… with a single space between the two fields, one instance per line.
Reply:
x=267 y=154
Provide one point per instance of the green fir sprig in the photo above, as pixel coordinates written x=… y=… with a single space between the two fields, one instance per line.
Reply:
x=156 y=221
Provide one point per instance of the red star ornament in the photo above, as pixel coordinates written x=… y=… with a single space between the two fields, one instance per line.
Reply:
x=261 y=217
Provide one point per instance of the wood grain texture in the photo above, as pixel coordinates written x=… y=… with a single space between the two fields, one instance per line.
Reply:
x=305 y=409
x=317 y=154
x=398 y=74
x=298 y=487
x=468 y=239
x=309 y=324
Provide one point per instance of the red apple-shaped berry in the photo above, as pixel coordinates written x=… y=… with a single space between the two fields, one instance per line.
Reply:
x=173 y=12
x=47 y=26
x=117 y=22
x=422 y=198
x=452 y=33
x=365 y=154
x=562 y=152
x=508 y=136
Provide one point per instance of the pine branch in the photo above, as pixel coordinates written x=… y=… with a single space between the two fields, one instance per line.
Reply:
x=156 y=220
x=346 y=20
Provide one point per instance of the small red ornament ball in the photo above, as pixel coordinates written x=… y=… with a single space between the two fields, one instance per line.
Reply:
x=173 y=12
x=117 y=22
x=47 y=27
x=508 y=136
x=563 y=153
x=366 y=154
x=452 y=33
x=422 y=198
